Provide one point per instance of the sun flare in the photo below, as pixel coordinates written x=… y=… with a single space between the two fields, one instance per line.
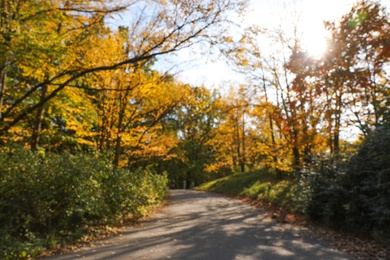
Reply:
x=314 y=43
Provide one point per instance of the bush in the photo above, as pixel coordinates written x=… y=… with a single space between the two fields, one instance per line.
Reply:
x=368 y=185
x=356 y=197
x=326 y=196
x=45 y=197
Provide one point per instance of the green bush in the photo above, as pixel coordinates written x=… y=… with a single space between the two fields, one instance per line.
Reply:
x=56 y=197
x=355 y=197
x=326 y=196
x=368 y=184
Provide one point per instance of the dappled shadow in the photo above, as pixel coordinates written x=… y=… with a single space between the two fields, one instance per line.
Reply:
x=200 y=225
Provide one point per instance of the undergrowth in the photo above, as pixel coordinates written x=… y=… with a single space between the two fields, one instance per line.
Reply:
x=48 y=200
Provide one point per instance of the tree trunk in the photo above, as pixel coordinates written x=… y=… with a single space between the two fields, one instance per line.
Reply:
x=38 y=121
x=297 y=158
x=271 y=127
x=3 y=76
x=336 y=133
x=117 y=150
x=3 y=66
x=243 y=155
x=238 y=140
x=336 y=138
x=121 y=116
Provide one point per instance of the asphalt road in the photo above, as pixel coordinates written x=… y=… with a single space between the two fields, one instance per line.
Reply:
x=198 y=225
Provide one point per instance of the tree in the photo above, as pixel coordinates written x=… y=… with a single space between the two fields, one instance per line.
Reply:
x=357 y=63
x=287 y=94
x=173 y=25
x=236 y=109
x=197 y=120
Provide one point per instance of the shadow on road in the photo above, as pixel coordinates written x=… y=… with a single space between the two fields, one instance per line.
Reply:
x=198 y=225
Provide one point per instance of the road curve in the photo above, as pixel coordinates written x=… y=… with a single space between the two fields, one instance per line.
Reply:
x=199 y=225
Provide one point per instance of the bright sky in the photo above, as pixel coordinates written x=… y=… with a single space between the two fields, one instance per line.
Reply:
x=311 y=15
x=269 y=14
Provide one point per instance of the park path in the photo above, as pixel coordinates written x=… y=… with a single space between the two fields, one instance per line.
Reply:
x=207 y=226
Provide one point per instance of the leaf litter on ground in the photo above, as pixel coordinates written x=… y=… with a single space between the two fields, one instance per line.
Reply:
x=360 y=247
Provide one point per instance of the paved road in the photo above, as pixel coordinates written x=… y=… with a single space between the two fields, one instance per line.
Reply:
x=198 y=225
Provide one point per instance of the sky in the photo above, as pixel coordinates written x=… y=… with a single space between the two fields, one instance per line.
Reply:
x=204 y=70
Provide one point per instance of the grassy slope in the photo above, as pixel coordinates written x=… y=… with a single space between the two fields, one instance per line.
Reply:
x=264 y=186
x=259 y=185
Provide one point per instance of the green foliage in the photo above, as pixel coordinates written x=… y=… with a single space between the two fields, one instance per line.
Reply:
x=356 y=197
x=326 y=197
x=368 y=185
x=52 y=197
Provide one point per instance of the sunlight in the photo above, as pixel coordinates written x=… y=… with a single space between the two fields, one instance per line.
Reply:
x=312 y=26
x=307 y=15
x=314 y=42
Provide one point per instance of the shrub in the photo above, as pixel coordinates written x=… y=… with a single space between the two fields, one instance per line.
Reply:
x=325 y=194
x=368 y=184
x=355 y=197
x=58 y=196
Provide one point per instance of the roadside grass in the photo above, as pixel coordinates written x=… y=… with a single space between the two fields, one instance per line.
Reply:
x=288 y=194
x=261 y=185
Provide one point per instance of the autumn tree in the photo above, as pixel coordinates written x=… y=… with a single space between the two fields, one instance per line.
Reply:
x=46 y=44
x=237 y=108
x=150 y=103
x=286 y=94
x=355 y=67
x=197 y=120
x=130 y=102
